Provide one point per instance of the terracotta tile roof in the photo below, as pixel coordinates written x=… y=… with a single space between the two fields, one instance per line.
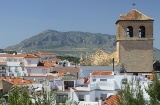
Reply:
x=86 y=80
x=42 y=76
x=112 y=100
x=46 y=64
x=20 y=55
x=31 y=56
x=101 y=73
x=150 y=76
x=17 y=81
x=61 y=74
x=3 y=63
x=134 y=15
x=12 y=55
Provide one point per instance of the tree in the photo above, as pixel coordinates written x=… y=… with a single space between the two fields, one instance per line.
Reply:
x=153 y=90
x=25 y=98
x=14 y=97
x=131 y=93
x=39 y=98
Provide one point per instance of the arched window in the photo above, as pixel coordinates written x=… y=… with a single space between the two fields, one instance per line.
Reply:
x=141 y=31
x=129 y=31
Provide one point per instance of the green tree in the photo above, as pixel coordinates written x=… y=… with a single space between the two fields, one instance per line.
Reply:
x=131 y=93
x=153 y=91
x=25 y=98
x=14 y=97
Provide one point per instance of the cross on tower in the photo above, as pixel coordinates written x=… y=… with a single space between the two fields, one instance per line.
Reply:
x=133 y=5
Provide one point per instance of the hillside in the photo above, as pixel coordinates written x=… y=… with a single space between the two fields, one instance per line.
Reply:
x=71 y=43
x=68 y=43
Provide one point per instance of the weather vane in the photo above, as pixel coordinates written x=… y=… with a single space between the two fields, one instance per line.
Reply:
x=133 y=5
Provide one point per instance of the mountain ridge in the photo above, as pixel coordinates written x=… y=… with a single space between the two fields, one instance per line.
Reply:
x=72 y=43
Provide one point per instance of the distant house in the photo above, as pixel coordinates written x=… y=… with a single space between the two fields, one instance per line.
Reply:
x=46 y=55
x=102 y=85
x=9 y=82
x=14 y=64
x=63 y=85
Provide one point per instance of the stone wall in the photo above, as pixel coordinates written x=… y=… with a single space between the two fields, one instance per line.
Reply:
x=135 y=53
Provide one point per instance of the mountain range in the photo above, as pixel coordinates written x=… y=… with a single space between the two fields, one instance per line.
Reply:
x=72 y=43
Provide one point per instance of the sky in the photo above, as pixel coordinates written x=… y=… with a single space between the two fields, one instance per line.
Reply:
x=22 y=19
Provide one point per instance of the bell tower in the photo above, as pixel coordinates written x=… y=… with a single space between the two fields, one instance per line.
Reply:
x=134 y=38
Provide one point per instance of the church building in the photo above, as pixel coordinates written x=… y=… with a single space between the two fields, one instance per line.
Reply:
x=134 y=38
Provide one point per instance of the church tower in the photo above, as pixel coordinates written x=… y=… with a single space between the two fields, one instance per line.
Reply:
x=134 y=37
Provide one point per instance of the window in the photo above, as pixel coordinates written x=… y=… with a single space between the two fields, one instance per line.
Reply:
x=94 y=80
x=141 y=31
x=129 y=31
x=68 y=84
x=3 y=68
x=103 y=79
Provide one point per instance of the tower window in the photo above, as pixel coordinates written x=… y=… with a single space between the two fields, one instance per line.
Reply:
x=141 y=31
x=129 y=31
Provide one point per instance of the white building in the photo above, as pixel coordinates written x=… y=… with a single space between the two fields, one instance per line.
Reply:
x=102 y=85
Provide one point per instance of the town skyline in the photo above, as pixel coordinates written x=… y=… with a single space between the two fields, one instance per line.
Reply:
x=23 y=19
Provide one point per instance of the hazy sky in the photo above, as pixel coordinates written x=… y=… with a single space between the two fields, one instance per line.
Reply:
x=21 y=19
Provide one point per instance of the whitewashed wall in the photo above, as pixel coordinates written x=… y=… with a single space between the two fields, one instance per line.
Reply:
x=34 y=61
x=38 y=71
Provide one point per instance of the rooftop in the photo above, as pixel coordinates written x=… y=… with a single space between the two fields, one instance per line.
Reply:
x=101 y=73
x=134 y=15
x=17 y=81
x=112 y=100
